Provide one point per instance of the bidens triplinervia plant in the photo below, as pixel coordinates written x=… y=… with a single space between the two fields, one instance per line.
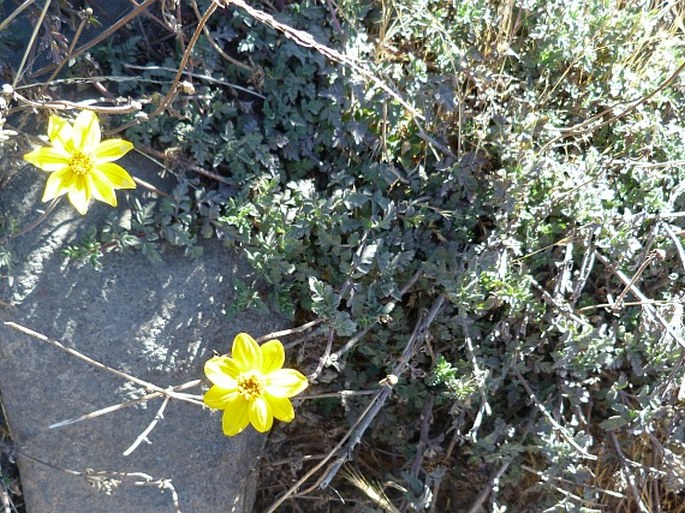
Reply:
x=81 y=165
x=251 y=386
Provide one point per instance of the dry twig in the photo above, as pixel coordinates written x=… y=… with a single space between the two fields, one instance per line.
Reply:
x=645 y=301
x=143 y=436
x=354 y=434
x=628 y=475
x=558 y=427
x=168 y=392
x=181 y=69
x=121 y=406
x=107 y=481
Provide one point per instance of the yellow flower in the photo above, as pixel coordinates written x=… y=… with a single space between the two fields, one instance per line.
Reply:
x=81 y=164
x=251 y=387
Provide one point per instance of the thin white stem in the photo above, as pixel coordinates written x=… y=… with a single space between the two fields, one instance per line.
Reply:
x=99 y=365
x=143 y=436
x=121 y=406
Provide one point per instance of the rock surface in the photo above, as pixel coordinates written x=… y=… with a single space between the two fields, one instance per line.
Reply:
x=156 y=322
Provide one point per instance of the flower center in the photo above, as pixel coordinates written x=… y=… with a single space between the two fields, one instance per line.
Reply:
x=250 y=386
x=80 y=163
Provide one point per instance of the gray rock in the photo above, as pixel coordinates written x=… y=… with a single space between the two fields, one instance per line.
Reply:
x=156 y=322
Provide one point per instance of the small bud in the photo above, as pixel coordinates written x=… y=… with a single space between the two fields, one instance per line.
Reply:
x=389 y=381
x=186 y=87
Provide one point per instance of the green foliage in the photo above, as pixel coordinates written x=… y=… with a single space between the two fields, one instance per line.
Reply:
x=89 y=249
x=531 y=179
x=456 y=379
x=246 y=297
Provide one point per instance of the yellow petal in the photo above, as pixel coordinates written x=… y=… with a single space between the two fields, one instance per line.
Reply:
x=282 y=408
x=112 y=149
x=101 y=188
x=79 y=194
x=273 y=356
x=236 y=416
x=246 y=352
x=58 y=184
x=217 y=397
x=260 y=415
x=86 y=132
x=285 y=383
x=222 y=371
x=49 y=158
x=60 y=133
x=117 y=175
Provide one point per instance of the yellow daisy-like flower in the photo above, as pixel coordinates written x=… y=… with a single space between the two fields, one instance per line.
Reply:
x=251 y=387
x=81 y=164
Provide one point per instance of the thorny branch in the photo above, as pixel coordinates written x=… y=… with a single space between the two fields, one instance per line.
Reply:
x=355 y=433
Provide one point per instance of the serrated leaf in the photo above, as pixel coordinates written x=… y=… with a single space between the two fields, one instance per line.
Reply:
x=612 y=423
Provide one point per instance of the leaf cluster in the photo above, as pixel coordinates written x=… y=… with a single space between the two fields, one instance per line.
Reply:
x=560 y=180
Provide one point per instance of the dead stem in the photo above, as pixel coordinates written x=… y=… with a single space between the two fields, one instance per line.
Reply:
x=72 y=352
